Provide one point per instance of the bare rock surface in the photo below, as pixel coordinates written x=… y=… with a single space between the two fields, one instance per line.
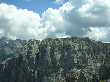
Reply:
x=54 y=60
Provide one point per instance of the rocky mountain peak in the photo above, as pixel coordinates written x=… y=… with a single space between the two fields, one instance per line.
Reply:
x=55 y=60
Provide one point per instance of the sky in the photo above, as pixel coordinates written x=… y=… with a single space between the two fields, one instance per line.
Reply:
x=40 y=19
x=34 y=5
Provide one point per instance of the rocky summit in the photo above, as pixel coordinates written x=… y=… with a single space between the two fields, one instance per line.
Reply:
x=54 y=60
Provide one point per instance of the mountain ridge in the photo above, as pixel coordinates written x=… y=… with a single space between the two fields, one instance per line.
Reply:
x=55 y=60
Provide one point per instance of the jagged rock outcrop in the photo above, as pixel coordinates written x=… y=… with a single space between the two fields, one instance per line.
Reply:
x=56 y=60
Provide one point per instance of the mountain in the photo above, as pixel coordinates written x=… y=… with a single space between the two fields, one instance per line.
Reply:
x=54 y=60
x=10 y=48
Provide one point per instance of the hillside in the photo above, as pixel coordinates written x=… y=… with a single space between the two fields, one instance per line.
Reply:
x=54 y=60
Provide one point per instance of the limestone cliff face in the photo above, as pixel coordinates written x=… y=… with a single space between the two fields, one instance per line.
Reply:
x=57 y=60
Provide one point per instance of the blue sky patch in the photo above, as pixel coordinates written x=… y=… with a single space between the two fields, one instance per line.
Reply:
x=38 y=6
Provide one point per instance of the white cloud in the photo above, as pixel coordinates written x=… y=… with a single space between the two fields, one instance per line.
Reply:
x=62 y=35
x=59 y=1
x=54 y=20
x=20 y=23
x=77 y=18
x=99 y=33
x=82 y=18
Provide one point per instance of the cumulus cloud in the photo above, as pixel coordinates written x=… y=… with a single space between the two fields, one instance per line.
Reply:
x=20 y=23
x=92 y=17
x=82 y=18
x=54 y=20
x=99 y=33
